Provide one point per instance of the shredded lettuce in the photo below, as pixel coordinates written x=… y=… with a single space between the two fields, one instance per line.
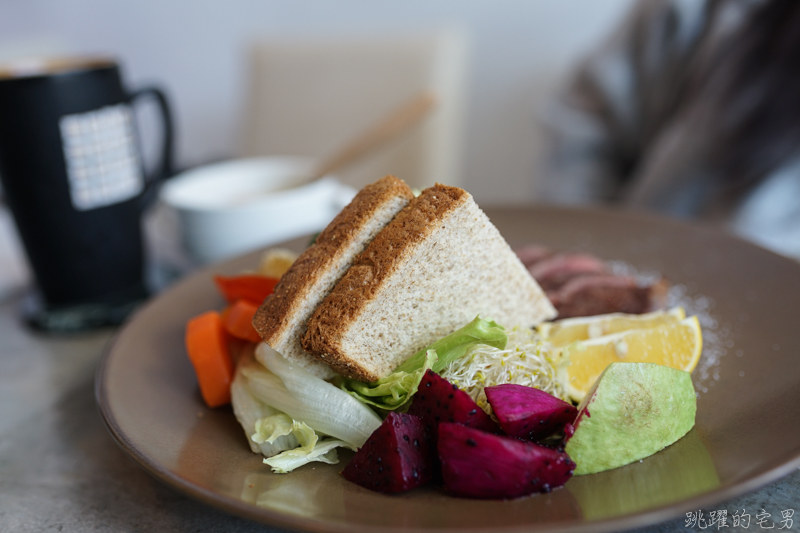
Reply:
x=303 y=396
x=249 y=410
x=293 y=417
x=271 y=428
x=394 y=391
x=323 y=451
x=259 y=398
x=311 y=447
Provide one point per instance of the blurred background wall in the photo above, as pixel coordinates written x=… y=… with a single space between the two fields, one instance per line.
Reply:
x=519 y=53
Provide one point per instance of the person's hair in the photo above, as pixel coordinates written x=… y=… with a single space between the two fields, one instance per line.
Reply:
x=754 y=88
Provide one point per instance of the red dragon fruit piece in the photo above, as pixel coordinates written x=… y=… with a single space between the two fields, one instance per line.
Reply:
x=437 y=400
x=398 y=456
x=476 y=464
x=528 y=413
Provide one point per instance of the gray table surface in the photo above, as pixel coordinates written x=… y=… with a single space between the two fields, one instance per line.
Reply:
x=60 y=470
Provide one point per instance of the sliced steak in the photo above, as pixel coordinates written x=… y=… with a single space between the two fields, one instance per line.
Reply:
x=532 y=254
x=582 y=285
x=553 y=272
x=602 y=293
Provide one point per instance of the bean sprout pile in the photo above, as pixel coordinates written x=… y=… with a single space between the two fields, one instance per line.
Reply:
x=527 y=360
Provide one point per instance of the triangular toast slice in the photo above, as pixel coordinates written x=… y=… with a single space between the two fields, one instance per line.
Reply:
x=281 y=319
x=436 y=266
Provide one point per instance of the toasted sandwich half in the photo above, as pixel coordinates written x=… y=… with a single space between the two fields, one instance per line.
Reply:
x=281 y=319
x=436 y=266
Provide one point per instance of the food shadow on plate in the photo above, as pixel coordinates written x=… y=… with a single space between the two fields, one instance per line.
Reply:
x=310 y=492
x=677 y=473
x=318 y=492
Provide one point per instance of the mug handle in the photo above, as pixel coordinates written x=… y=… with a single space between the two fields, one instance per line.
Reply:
x=164 y=169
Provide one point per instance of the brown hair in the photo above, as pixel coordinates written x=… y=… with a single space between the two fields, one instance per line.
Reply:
x=753 y=89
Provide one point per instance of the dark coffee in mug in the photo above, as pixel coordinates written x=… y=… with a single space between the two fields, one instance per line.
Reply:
x=73 y=179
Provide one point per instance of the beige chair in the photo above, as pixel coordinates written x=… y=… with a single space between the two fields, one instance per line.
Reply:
x=309 y=96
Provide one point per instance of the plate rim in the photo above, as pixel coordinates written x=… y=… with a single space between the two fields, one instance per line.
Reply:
x=253 y=512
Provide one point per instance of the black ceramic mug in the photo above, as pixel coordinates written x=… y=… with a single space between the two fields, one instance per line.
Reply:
x=72 y=174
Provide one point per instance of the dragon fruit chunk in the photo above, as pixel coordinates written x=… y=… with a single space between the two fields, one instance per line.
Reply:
x=476 y=464
x=437 y=400
x=528 y=413
x=397 y=457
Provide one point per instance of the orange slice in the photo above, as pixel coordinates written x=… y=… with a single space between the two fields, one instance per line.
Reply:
x=563 y=332
x=677 y=345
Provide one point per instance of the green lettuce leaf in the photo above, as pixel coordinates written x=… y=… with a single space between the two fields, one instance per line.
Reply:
x=455 y=345
x=311 y=447
x=271 y=428
x=248 y=410
x=293 y=390
x=394 y=391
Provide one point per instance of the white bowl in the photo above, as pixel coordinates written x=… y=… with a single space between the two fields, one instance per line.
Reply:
x=232 y=207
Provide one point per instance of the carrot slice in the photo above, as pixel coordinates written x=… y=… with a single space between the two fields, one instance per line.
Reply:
x=245 y=287
x=238 y=320
x=207 y=346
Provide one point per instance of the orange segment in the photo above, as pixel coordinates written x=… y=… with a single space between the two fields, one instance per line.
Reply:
x=563 y=332
x=677 y=345
x=275 y=262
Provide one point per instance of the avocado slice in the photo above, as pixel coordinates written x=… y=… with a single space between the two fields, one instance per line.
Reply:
x=631 y=412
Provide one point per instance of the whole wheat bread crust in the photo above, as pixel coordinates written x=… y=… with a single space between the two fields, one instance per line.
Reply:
x=376 y=264
x=430 y=271
x=277 y=318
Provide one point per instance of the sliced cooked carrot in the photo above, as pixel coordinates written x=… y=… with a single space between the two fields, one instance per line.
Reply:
x=238 y=320
x=207 y=346
x=252 y=287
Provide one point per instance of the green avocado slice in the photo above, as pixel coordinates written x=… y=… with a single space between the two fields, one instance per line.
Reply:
x=631 y=412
